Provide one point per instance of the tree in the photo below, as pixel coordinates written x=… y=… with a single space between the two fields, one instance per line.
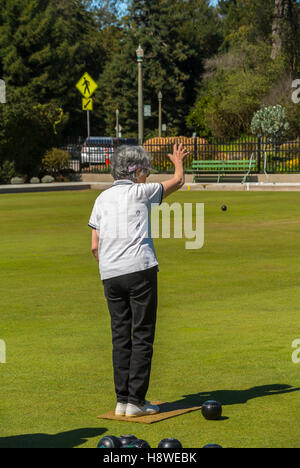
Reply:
x=27 y=129
x=175 y=46
x=235 y=86
x=258 y=58
x=249 y=20
x=45 y=47
x=280 y=12
x=290 y=33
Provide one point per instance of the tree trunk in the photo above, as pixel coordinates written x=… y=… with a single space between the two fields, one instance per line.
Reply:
x=280 y=12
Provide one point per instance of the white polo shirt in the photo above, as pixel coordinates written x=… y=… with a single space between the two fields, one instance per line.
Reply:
x=121 y=216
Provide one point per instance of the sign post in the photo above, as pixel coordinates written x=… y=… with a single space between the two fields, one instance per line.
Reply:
x=117 y=123
x=87 y=86
x=88 y=124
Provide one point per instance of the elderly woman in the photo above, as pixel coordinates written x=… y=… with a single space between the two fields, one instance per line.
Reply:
x=123 y=247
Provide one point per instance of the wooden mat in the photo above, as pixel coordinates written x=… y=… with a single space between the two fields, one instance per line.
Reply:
x=167 y=410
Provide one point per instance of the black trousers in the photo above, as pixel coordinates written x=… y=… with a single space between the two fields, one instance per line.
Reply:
x=132 y=303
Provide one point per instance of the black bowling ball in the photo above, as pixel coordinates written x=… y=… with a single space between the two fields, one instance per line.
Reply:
x=211 y=410
x=109 y=441
x=127 y=439
x=138 y=443
x=169 y=443
x=212 y=446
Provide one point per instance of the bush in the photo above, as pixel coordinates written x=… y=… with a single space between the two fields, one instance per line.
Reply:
x=7 y=172
x=234 y=86
x=293 y=117
x=17 y=180
x=196 y=120
x=56 y=161
x=47 y=179
x=35 y=180
x=26 y=132
x=270 y=122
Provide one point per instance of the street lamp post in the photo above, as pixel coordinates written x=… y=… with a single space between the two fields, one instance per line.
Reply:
x=160 y=96
x=140 y=56
x=117 y=124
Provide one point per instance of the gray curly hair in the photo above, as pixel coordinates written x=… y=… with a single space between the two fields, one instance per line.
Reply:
x=126 y=160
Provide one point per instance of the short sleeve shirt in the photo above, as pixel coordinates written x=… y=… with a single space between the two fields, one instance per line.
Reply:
x=121 y=216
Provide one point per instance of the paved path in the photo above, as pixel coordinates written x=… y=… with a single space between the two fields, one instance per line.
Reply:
x=231 y=187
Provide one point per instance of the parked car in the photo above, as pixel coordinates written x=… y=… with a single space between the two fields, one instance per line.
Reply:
x=95 y=150
x=98 y=150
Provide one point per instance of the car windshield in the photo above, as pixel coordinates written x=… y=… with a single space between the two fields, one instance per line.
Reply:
x=99 y=141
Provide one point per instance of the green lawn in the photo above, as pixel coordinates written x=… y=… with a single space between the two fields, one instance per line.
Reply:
x=228 y=315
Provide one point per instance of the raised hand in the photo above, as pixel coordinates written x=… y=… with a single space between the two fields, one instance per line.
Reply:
x=179 y=153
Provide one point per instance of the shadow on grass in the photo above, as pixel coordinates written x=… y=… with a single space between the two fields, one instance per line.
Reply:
x=228 y=397
x=68 y=439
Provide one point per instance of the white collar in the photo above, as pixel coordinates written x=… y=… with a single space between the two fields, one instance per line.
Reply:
x=123 y=182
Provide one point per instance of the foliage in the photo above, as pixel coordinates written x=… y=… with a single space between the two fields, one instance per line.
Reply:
x=214 y=65
x=35 y=180
x=249 y=20
x=244 y=75
x=7 y=172
x=270 y=122
x=197 y=118
x=45 y=47
x=233 y=88
x=293 y=117
x=54 y=115
x=176 y=38
x=55 y=161
x=27 y=131
x=47 y=179
x=17 y=180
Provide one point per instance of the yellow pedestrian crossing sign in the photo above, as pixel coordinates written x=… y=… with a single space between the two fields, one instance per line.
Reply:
x=86 y=86
x=87 y=104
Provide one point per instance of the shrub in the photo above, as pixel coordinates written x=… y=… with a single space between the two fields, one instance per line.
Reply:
x=27 y=131
x=196 y=120
x=293 y=116
x=35 y=180
x=270 y=122
x=17 y=180
x=47 y=179
x=7 y=172
x=56 y=161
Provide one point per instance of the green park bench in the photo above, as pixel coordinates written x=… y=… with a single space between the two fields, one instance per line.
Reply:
x=223 y=167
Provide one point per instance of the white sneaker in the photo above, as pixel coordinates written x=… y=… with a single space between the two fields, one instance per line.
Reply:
x=120 y=409
x=134 y=410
